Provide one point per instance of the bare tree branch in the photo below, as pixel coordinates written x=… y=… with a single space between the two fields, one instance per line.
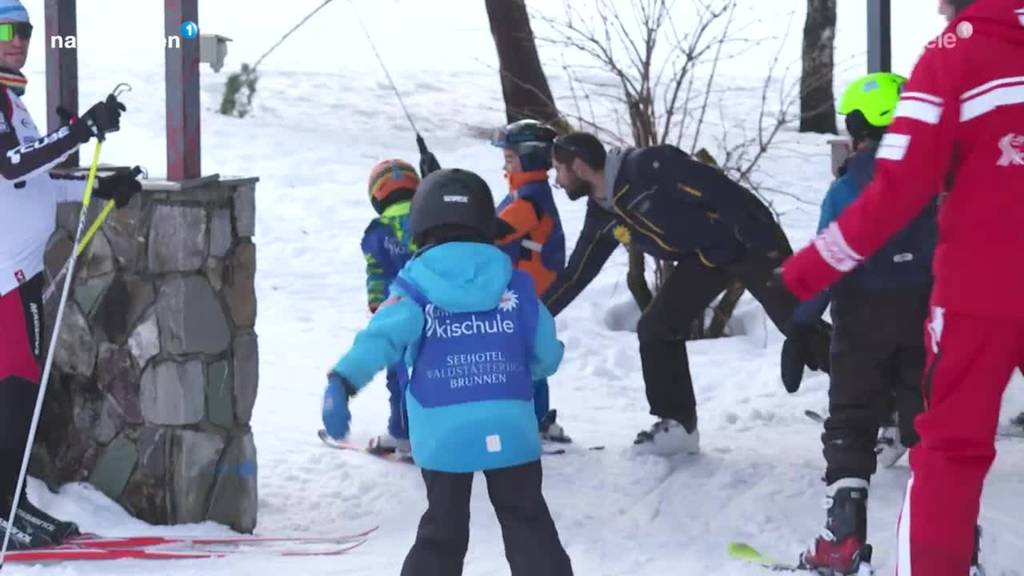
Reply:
x=711 y=77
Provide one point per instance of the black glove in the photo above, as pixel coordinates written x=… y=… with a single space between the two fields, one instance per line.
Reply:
x=104 y=117
x=816 y=345
x=806 y=345
x=428 y=162
x=120 y=187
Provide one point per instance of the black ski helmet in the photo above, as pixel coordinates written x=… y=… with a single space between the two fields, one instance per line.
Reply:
x=530 y=140
x=452 y=198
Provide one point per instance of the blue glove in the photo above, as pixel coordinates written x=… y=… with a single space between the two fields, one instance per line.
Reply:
x=335 y=408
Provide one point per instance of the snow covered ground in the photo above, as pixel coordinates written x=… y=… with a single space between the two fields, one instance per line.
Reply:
x=323 y=116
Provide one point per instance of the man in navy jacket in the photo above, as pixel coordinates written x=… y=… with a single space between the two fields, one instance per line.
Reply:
x=673 y=207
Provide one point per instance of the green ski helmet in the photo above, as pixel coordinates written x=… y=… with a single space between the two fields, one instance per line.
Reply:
x=869 y=104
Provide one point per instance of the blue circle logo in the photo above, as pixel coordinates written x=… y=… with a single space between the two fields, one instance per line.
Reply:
x=189 y=29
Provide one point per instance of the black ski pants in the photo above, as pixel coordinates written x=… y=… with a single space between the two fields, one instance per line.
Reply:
x=689 y=290
x=878 y=362
x=532 y=545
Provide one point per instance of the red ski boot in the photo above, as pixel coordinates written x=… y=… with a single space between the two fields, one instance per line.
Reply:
x=842 y=548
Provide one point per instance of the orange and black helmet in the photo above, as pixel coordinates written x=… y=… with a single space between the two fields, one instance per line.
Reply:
x=391 y=181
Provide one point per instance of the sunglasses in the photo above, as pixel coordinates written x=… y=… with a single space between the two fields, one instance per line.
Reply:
x=8 y=30
x=565 y=153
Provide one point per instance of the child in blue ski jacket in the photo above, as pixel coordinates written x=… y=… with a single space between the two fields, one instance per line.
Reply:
x=878 y=357
x=474 y=337
x=387 y=246
x=530 y=229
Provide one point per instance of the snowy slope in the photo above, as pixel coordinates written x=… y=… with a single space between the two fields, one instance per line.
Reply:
x=323 y=116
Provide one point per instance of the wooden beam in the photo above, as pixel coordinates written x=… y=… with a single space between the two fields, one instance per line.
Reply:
x=182 y=89
x=879 y=36
x=61 y=65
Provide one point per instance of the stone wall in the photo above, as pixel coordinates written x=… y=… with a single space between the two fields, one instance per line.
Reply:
x=156 y=371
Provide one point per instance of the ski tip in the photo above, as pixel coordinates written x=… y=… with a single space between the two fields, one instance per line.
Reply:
x=747 y=553
x=743 y=551
x=817 y=417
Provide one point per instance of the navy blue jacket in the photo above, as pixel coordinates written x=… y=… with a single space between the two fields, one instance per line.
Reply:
x=671 y=206
x=904 y=263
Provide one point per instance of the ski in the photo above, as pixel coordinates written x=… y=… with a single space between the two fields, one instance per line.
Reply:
x=749 y=554
x=816 y=416
x=1009 y=431
x=73 y=552
x=395 y=457
x=556 y=451
x=122 y=542
x=365 y=449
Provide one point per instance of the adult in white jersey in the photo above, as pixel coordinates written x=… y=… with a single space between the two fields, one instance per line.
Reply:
x=28 y=203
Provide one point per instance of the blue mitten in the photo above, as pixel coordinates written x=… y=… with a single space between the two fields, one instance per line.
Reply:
x=335 y=408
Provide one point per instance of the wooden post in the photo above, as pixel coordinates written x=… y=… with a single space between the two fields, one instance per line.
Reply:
x=61 y=65
x=879 y=36
x=182 y=88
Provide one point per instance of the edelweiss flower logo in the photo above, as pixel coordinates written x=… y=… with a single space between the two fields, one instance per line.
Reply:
x=622 y=234
x=509 y=301
x=1012 y=148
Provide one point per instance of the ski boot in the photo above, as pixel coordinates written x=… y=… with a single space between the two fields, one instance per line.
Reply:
x=552 y=431
x=667 y=437
x=23 y=537
x=388 y=444
x=889 y=447
x=57 y=531
x=841 y=549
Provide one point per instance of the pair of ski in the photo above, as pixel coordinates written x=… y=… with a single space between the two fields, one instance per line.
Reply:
x=392 y=456
x=749 y=554
x=90 y=547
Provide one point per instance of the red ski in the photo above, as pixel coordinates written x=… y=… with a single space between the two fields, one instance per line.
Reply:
x=347 y=444
x=74 y=552
x=96 y=541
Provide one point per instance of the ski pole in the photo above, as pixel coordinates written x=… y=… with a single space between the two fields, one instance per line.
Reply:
x=96 y=225
x=81 y=246
x=45 y=380
x=428 y=162
x=380 y=61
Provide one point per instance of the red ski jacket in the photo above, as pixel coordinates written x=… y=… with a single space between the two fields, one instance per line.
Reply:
x=959 y=127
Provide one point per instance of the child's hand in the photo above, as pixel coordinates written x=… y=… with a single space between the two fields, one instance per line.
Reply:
x=335 y=407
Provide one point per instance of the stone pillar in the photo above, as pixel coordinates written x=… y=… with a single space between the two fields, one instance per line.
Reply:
x=841 y=149
x=156 y=371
